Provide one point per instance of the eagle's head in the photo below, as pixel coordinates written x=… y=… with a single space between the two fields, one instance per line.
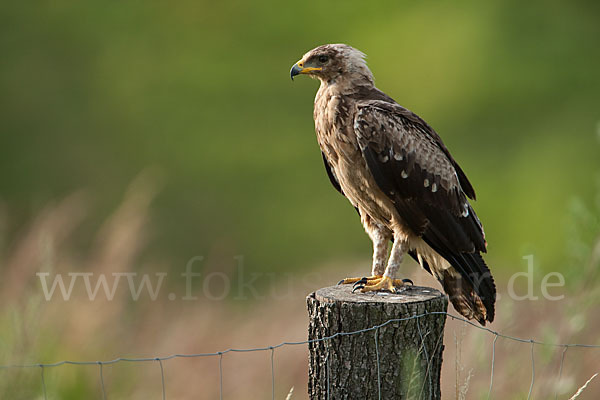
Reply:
x=330 y=62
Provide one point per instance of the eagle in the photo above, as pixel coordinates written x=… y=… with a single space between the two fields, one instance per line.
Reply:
x=398 y=174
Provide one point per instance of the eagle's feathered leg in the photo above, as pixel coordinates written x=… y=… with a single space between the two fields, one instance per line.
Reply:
x=381 y=237
x=388 y=281
x=381 y=278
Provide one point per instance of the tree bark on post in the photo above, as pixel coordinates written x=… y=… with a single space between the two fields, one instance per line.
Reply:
x=398 y=360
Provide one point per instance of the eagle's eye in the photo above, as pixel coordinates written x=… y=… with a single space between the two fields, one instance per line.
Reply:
x=323 y=59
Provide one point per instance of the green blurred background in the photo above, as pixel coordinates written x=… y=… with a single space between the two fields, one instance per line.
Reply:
x=93 y=92
x=197 y=94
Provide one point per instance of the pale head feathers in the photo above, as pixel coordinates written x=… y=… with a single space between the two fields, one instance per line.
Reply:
x=343 y=62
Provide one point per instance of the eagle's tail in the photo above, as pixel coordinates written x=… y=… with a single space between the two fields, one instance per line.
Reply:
x=472 y=295
x=468 y=282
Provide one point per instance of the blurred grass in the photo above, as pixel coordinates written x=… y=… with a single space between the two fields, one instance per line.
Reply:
x=34 y=330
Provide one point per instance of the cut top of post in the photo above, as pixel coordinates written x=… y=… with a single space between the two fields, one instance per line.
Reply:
x=343 y=293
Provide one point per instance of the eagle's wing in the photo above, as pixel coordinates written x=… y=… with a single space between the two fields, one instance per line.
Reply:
x=333 y=178
x=411 y=165
x=331 y=175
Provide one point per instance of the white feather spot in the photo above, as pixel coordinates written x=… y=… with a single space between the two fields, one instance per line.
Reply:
x=434 y=188
x=426 y=182
x=398 y=157
x=403 y=174
x=465 y=212
x=384 y=158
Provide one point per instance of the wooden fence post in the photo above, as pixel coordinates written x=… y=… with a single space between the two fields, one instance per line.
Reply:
x=400 y=360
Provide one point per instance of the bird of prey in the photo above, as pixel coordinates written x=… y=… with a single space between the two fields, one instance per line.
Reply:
x=398 y=174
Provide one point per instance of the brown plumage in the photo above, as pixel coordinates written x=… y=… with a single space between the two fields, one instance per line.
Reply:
x=396 y=171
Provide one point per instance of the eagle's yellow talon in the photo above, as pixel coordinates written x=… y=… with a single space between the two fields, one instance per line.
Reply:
x=383 y=283
x=374 y=283
x=346 y=281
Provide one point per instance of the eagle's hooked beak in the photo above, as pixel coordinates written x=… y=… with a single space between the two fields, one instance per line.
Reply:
x=299 y=68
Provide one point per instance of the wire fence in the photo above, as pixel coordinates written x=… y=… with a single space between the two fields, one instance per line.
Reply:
x=271 y=349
